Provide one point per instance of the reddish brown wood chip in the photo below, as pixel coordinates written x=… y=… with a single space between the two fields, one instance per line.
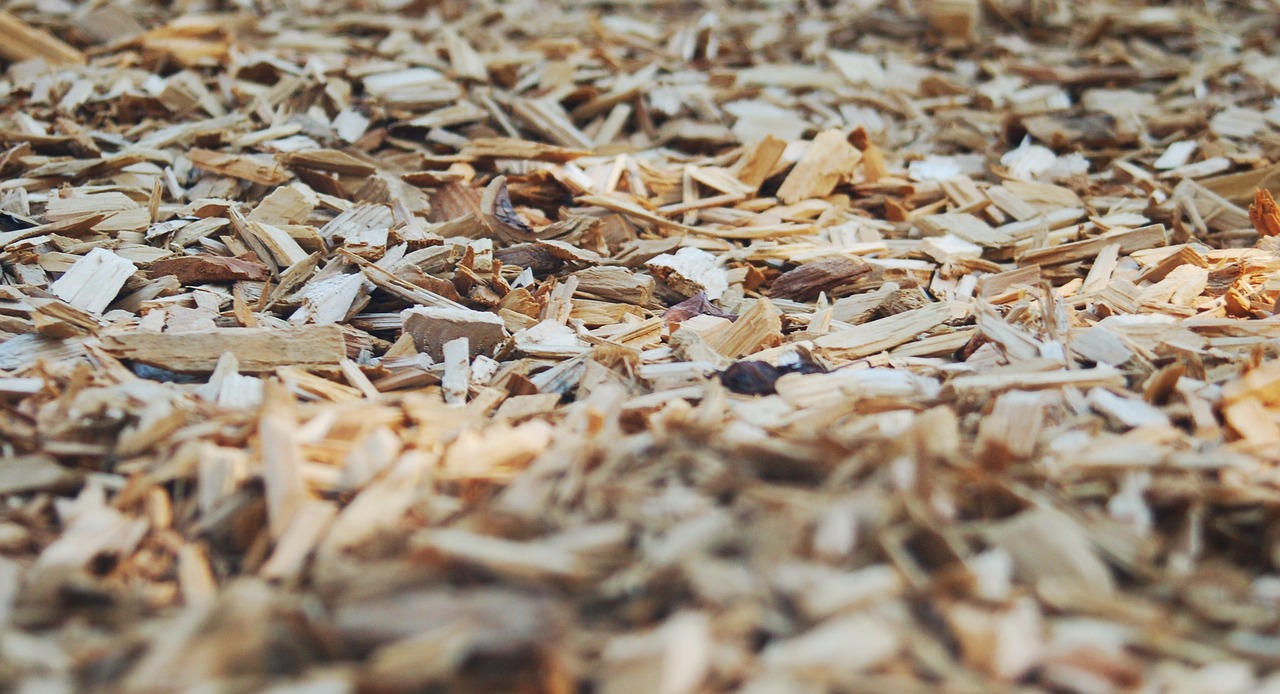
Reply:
x=199 y=269
x=696 y=305
x=806 y=282
x=1264 y=214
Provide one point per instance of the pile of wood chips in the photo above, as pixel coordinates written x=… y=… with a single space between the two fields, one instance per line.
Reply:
x=640 y=347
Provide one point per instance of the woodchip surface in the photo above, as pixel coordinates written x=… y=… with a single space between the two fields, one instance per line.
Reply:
x=639 y=347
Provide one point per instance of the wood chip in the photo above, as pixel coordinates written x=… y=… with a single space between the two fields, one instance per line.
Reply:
x=26 y=42
x=828 y=158
x=433 y=328
x=1264 y=214
x=256 y=349
x=93 y=281
x=806 y=282
x=199 y=269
